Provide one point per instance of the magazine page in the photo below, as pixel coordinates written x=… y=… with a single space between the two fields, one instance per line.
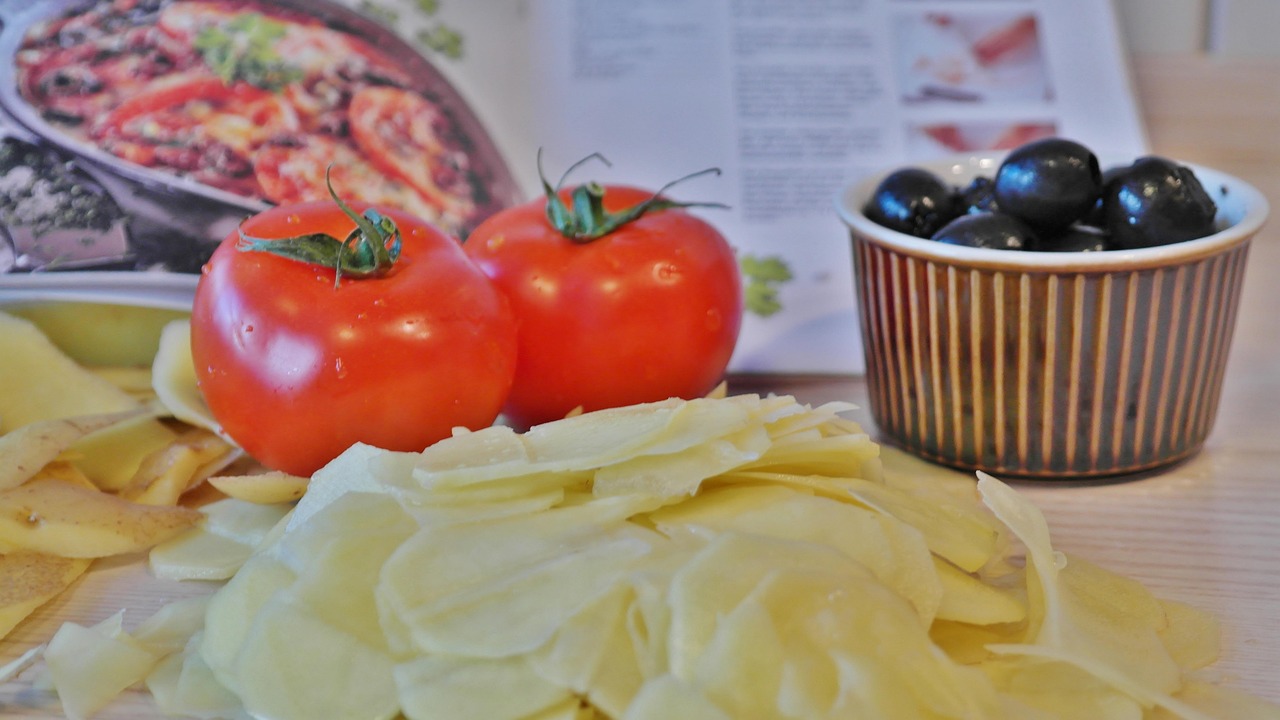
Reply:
x=793 y=99
x=136 y=134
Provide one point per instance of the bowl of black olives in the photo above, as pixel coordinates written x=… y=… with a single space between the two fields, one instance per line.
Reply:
x=1046 y=314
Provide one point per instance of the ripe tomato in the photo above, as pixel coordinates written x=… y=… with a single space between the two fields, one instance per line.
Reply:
x=650 y=310
x=296 y=369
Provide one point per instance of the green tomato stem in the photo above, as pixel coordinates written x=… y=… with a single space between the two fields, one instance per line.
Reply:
x=584 y=219
x=370 y=250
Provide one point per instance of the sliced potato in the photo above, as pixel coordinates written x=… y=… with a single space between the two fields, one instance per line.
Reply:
x=893 y=551
x=666 y=697
x=294 y=666
x=173 y=378
x=171 y=627
x=168 y=473
x=592 y=653
x=55 y=517
x=462 y=688
x=183 y=686
x=230 y=615
x=967 y=599
x=267 y=488
x=1191 y=635
x=530 y=603
x=91 y=666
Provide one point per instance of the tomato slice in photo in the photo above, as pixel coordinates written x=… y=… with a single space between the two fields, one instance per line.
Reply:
x=406 y=137
x=296 y=173
x=174 y=92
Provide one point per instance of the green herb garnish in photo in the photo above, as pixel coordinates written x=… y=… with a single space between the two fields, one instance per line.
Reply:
x=761 y=278
x=244 y=50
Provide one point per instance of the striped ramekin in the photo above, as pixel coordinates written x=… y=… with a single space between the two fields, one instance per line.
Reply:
x=1049 y=365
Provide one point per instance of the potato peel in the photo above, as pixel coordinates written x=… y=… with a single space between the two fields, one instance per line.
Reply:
x=55 y=517
x=27 y=449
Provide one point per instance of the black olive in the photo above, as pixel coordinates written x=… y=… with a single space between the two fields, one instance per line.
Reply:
x=988 y=230
x=1095 y=217
x=913 y=201
x=1077 y=238
x=1156 y=201
x=1049 y=183
x=978 y=196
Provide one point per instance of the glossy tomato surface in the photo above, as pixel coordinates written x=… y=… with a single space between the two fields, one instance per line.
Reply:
x=297 y=370
x=647 y=312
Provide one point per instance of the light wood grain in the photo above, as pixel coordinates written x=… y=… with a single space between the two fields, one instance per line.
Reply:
x=1206 y=531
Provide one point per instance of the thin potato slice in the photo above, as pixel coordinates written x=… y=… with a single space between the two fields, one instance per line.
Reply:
x=173 y=378
x=29 y=580
x=184 y=686
x=967 y=599
x=39 y=382
x=679 y=474
x=214 y=550
x=457 y=688
x=1191 y=635
x=591 y=653
x=294 y=666
x=1112 y=633
x=269 y=488
x=968 y=541
x=422 y=573
x=666 y=697
x=894 y=552
x=58 y=518
x=339 y=555
x=529 y=605
x=90 y=666
x=27 y=449
x=359 y=469
x=170 y=472
x=198 y=555
x=231 y=612
x=171 y=627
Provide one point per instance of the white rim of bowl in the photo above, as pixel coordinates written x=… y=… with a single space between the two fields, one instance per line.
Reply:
x=850 y=202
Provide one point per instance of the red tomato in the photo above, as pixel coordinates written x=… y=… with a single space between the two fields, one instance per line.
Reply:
x=296 y=370
x=649 y=311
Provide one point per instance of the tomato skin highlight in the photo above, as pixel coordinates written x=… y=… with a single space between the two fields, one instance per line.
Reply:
x=296 y=370
x=650 y=311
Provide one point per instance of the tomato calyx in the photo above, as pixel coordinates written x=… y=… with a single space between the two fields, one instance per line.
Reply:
x=369 y=250
x=584 y=219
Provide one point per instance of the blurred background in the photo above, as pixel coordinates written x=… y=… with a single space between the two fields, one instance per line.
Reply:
x=1230 y=28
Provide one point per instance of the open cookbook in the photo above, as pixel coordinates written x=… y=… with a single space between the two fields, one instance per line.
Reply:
x=136 y=134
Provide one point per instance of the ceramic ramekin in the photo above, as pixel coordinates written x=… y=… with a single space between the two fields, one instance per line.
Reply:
x=1042 y=364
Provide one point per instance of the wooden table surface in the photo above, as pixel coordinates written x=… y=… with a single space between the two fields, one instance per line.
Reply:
x=1206 y=532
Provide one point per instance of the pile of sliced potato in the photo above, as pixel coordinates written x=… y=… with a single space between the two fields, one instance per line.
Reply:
x=730 y=558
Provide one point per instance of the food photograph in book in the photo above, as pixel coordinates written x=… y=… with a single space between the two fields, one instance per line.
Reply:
x=137 y=134
x=970 y=57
